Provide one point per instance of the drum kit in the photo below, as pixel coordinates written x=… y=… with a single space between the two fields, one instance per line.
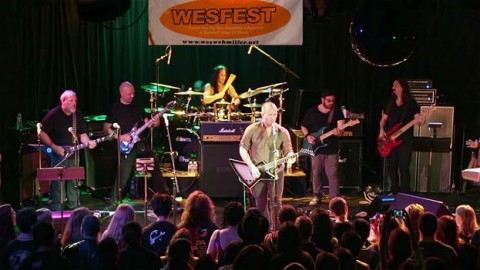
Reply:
x=190 y=116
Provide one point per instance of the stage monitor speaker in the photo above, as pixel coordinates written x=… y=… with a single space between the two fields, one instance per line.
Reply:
x=349 y=165
x=402 y=200
x=218 y=180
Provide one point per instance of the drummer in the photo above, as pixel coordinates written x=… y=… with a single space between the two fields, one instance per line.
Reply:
x=214 y=90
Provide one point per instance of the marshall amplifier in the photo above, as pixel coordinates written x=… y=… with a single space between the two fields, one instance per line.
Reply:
x=222 y=131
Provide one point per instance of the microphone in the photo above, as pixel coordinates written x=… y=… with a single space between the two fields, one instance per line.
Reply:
x=344 y=111
x=250 y=49
x=39 y=128
x=169 y=55
x=116 y=125
x=70 y=129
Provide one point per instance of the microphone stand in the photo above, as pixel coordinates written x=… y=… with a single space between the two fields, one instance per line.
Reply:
x=119 y=171
x=35 y=187
x=285 y=68
x=275 y=205
x=157 y=74
x=175 y=189
x=76 y=164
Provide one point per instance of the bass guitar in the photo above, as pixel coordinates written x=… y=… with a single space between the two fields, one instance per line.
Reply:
x=126 y=147
x=320 y=135
x=385 y=147
x=267 y=170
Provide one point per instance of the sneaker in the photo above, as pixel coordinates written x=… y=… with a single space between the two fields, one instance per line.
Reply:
x=315 y=201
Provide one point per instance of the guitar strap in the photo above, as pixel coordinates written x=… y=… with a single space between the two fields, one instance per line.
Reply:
x=74 y=127
x=330 y=117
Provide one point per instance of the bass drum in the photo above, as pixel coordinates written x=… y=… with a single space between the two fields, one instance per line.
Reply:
x=186 y=143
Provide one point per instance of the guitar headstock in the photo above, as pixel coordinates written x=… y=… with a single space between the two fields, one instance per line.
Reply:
x=429 y=110
x=306 y=152
x=352 y=122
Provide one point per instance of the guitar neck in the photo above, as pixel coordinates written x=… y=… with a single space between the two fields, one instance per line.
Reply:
x=85 y=145
x=403 y=129
x=144 y=126
x=278 y=162
x=342 y=127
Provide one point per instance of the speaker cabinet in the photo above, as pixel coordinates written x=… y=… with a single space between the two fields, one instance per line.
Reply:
x=438 y=133
x=218 y=180
x=349 y=164
x=101 y=165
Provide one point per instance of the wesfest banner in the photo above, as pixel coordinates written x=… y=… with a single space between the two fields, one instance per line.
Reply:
x=225 y=22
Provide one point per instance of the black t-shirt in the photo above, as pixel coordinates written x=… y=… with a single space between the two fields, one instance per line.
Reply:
x=126 y=115
x=56 y=124
x=401 y=114
x=314 y=120
x=157 y=236
x=16 y=252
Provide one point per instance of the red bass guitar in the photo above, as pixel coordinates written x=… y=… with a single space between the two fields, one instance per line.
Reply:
x=385 y=147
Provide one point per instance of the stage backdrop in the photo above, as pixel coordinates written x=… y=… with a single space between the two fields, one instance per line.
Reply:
x=225 y=22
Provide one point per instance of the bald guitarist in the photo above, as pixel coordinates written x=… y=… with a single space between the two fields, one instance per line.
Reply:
x=399 y=110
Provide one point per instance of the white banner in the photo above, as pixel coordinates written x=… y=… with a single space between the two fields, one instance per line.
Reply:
x=225 y=22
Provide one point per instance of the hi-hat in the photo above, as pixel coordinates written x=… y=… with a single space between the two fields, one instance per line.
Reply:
x=154 y=88
x=165 y=86
x=253 y=105
x=189 y=93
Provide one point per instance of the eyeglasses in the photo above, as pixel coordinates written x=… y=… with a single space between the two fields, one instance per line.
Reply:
x=331 y=100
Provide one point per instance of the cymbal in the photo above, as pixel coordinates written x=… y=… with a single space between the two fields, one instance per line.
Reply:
x=222 y=102
x=270 y=86
x=153 y=88
x=166 y=86
x=249 y=93
x=189 y=93
x=253 y=105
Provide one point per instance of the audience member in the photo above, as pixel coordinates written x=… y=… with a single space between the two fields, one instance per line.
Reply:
x=427 y=226
x=45 y=215
x=305 y=228
x=251 y=257
x=399 y=248
x=287 y=213
x=415 y=210
x=157 y=236
x=123 y=214
x=467 y=223
x=71 y=233
x=83 y=254
x=367 y=255
x=108 y=254
x=7 y=227
x=135 y=256
x=347 y=261
x=323 y=230
x=47 y=255
x=434 y=263
x=339 y=208
x=251 y=230
x=232 y=215
x=199 y=218
x=206 y=263
x=289 y=248
x=17 y=250
x=327 y=261
x=180 y=255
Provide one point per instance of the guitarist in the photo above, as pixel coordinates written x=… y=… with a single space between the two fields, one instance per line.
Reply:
x=400 y=109
x=56 y=133
x=257 y=145
x=127 y=113
x=325 y=160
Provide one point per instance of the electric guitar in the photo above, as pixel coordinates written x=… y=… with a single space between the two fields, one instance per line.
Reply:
x=267 y=170
x=126 y=147
x=385 y=147
x=69 y=150
x=320 y=135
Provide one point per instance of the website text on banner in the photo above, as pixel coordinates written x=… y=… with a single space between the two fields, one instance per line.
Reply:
x=225 y=22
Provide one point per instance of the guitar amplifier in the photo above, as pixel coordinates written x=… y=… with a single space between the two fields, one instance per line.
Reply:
x=222 y=131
